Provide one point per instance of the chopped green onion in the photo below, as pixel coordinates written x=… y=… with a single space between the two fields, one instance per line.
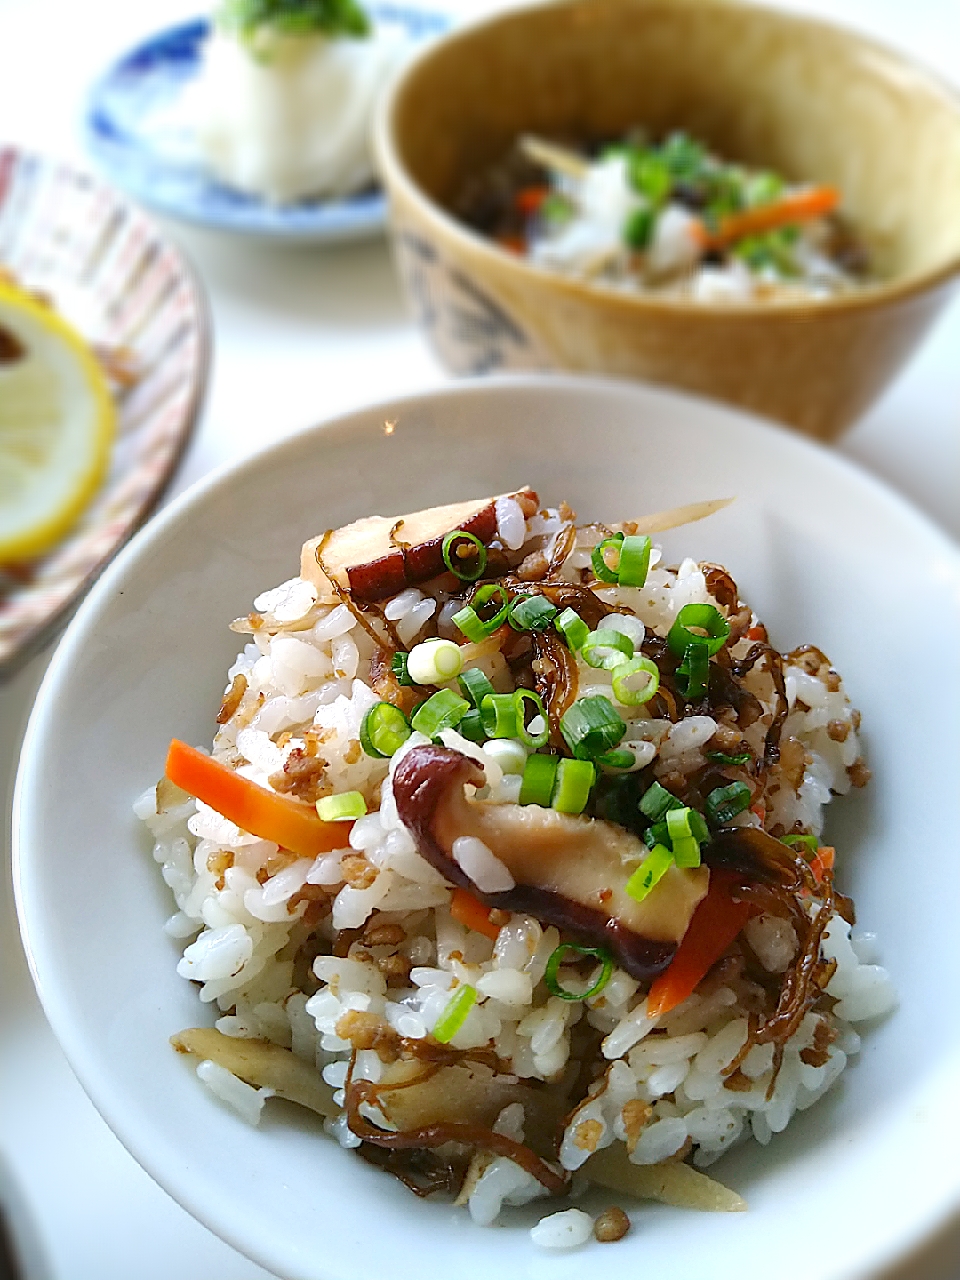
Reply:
x=556 y=959
x=649 y=175
x=640 y=665
x=720 y=757
x=678 y=822
x=539 y=776
x=398 y=665
x=342 y=808
x=606 y=649
x=725 y=803
x=658 y=834
x=471 y=727
x=657 y=801
x=706 y=618
x=685 y=159
x=443 y=711
x=509 y=754
x=247 y=18
x=434 y=662
x=573 y=628
x=693 y=673
x=474 y=625
x=556 y=210
x=622 y=758
x=475 y=685
x=531 y=613
x=810 y=843
x=498 y=712
x=634 y=560
x=538 y=739
x=383 y=730
x=601 y=569
x=572 y=790
x=455 y=1013
x=698 y=827
x=683 y=842
x=686 y=852
x=455 y=561
x=650 y=872
x=591 y=727
x=638 y=227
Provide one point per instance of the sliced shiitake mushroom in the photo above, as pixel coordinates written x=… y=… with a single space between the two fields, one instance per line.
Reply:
x=568 y=871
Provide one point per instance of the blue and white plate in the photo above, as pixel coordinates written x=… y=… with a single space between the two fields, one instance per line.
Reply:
x=142 y=142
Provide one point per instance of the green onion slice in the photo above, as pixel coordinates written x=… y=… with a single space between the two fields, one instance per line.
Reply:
x=444 y=710
x=539 y=776
x=606 y=649
x=531 y=613
x=383 y=730
x=435 y=661
x=686 y=852
x=809 y=843
x=471 y=727
x=591 y=727
x=683 y=841
x=398 y=665
x=693 y=673
x=725 y=803
x=535 y=740
x=601 y=569
x=622 y=758
x=556 y=959
x=575 y=778
x=475 y=620
x=498 y=711
x=342 y=808
x=634 y=560
x=455 y=1013
x=459 y=564
x=650 y=872
x=721 y=757
x=573 y=628
x=624 y=693
x=475 y=685
x=706 y=618
x=656 y=802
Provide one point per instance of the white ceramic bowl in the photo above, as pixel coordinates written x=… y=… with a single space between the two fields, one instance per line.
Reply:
x=824 y=553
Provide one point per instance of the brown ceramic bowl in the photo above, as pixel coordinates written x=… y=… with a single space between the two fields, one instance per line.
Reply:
x=812 y=100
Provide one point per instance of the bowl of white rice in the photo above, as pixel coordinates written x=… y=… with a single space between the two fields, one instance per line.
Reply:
x=341 y=1008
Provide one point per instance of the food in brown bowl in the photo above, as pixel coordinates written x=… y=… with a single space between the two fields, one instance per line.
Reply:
x=766 y=90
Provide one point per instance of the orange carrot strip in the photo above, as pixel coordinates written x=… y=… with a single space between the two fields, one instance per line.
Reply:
x=822 y=863
x=529 y=199
x=798 y=206
x=471 y=912
x=715 y=923
x=513 y=244
x=292 y=824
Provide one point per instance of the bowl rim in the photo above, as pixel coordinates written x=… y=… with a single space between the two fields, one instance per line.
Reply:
x=35 y=639
x=875 y=296
x=938 y=1207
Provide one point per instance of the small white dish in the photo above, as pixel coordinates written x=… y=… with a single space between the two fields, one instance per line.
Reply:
x=138 y=136
x=825 y=554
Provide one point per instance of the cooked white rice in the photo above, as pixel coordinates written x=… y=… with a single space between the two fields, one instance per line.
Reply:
x=247 y=908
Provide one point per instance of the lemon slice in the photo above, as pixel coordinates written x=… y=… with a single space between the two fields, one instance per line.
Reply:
x=57 y=424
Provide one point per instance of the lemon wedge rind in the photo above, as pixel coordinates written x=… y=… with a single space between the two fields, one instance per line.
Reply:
x=57 y=425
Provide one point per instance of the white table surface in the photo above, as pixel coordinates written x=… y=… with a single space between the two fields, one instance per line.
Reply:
x=300 y=335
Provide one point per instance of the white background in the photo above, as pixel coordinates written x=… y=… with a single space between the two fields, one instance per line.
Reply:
x=300 y=335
